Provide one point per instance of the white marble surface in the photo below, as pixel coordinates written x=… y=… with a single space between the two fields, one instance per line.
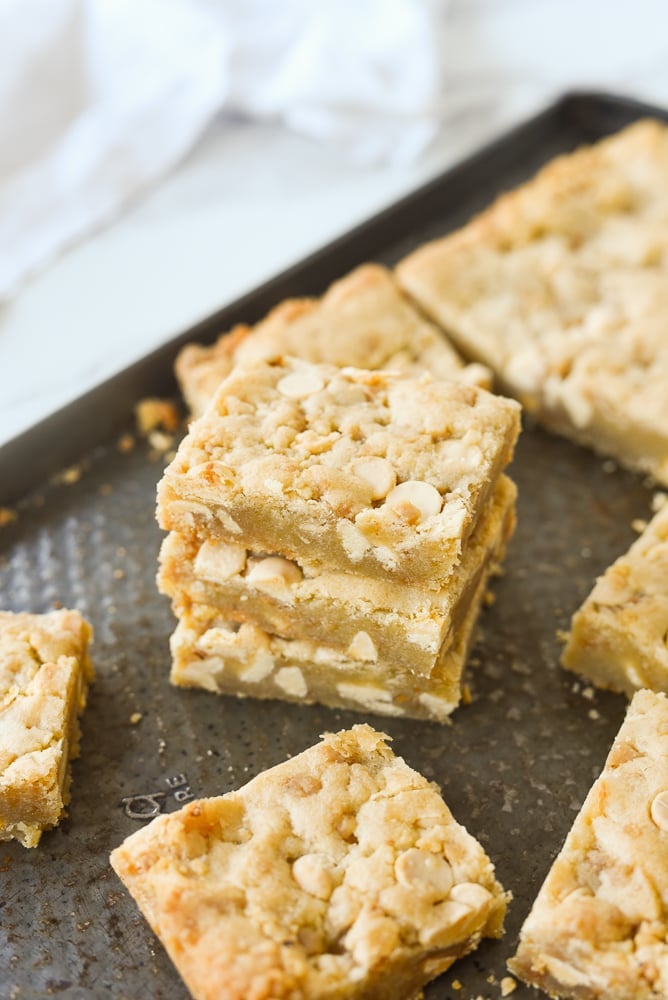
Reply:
x=252 y=199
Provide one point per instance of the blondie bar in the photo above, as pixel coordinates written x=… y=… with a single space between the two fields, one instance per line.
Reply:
x=44 y=674
x=342 y=469
x=225 y=657
x=598 y=926
x=561 y=287
x=619 y=637
x=363 y=320
x=339 y=874
x=388 y=620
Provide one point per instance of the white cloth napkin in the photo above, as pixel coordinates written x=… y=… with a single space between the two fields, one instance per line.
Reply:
x=99 y=98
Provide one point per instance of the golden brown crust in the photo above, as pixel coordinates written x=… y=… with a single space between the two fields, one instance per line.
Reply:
x=340 y=873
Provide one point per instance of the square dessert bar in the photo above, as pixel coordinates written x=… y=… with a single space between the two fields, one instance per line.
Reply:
x=44 y=674
x=343 y=469
x=561 y=287
x=619 y=637
x=225 y=657
x=363 y=320
x=369 y=618
x=339 y=874
x=598 y=926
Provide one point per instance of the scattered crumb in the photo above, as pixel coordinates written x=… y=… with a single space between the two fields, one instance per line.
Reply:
x=119 y=574
x=68 y=476
x=105 y=489
x=125 y=443
x=561 y=635
x=162 y=746
x=491 y=979
x=456 y=985
x=160 y=441
x=658 y=500
x=508 y=986
x=588 y=693
x=639 y=524
x=489 y=598
x=153 y=413
x=135 y=718
x=593 y=714
x=7 y=516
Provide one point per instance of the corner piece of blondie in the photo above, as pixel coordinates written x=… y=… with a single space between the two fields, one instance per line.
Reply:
x=619 y=637
x=598 y=929
x=44 y=674
x=340 y=873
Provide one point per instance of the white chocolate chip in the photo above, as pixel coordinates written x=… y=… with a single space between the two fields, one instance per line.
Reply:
x=659 y=810
x=261 y=667
x=378 y=473
x=311 y=875
x=218 y=561
x=300 y=384
x=371 y=939
x=291 y=680
x=440 y=708
x=471 y=894
x=354 y=543
x=427 y=873
x=374 y=698
x=228 y=522
x=362 y=647
x=274 y=571
x=222 y=641
x=422 y=496
x=449 y=922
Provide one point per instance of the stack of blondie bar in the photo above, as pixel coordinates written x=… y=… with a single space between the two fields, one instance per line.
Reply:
x=332 y=531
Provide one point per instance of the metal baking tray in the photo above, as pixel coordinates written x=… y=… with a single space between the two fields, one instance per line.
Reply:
x=514 y=765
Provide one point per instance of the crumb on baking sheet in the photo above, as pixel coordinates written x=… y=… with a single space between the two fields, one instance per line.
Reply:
x=7 y=516
x=156 y=414
x=508 y=986
x=67 y=477
x=125 y=443
x=135 y=718
x=639 y=524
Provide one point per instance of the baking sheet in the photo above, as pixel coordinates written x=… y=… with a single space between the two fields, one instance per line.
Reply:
x=514 y=765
